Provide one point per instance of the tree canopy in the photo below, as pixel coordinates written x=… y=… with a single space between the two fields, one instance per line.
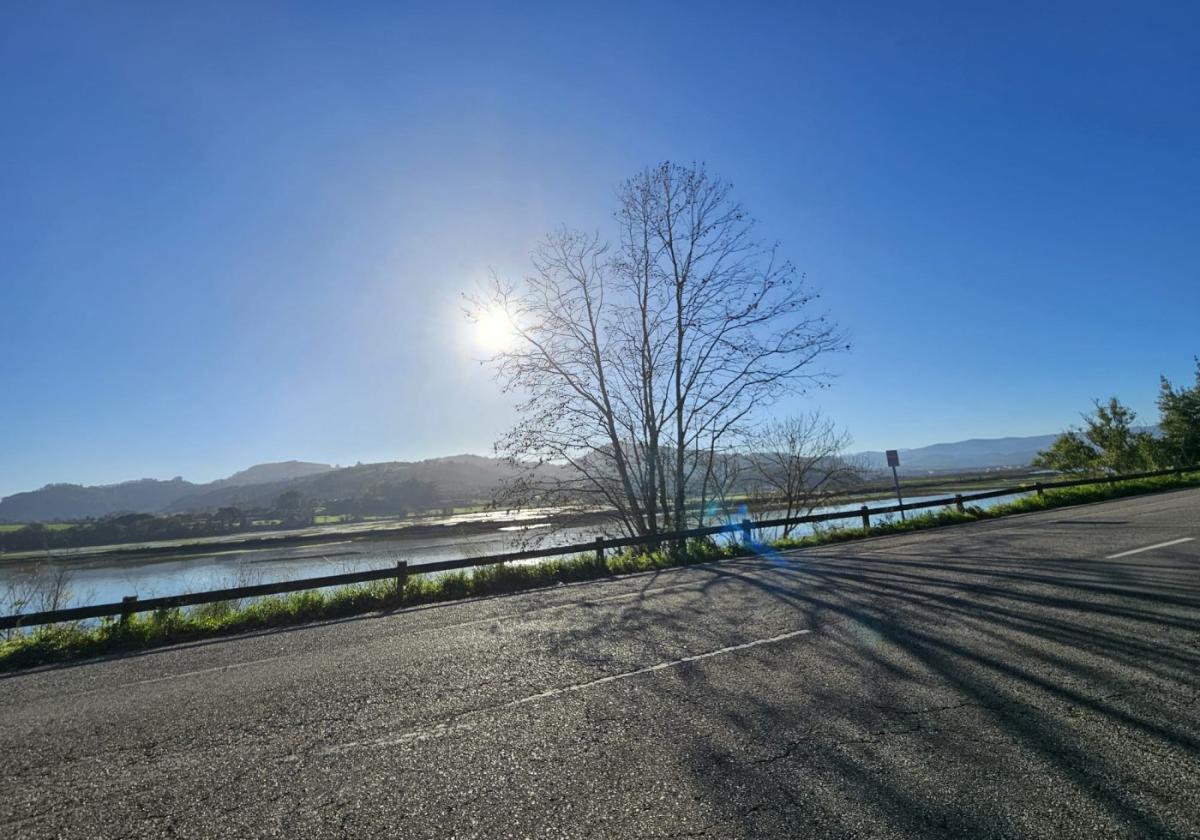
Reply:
x=1110 y=442
x=1179 y=421
x=640 y=360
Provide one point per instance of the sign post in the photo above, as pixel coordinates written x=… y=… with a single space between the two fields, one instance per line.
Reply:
x=893 y=459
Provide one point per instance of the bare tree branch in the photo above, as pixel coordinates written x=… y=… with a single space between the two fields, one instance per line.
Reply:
x=640 y=365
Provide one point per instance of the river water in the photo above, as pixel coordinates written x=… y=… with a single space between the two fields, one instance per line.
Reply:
x=107 y=578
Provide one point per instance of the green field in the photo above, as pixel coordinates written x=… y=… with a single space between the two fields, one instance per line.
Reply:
x=50 y=526
x=329 y=518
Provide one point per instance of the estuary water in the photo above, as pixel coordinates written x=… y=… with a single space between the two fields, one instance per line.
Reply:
x=104 y=578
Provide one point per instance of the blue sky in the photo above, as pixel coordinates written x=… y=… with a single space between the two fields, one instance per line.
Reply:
x=239 y=233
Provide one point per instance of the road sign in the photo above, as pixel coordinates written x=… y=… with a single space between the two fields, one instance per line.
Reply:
x=894 y=461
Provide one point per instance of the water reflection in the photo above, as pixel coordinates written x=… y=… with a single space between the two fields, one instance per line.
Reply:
x=107 y=578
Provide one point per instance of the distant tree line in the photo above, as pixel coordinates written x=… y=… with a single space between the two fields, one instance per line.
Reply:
x=291 y=509
x=389 y=498
x=1110 y=442
x=125 y=528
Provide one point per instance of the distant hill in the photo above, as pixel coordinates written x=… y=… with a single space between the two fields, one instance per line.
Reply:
x=455 y=478
x=74 y=501
x=974 y=454
x=267 y=473
x=452 y=479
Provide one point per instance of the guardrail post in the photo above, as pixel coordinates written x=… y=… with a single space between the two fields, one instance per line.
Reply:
x=866 y=515
x=959 y=503
x=127 y=607
x=401 y=575
x=746 y=532
x=600 y=564
x=1041 y=491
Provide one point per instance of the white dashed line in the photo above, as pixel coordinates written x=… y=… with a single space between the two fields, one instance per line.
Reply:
x=1149 y=548
x=196 y=673
x=462 y=722
x=496 y=619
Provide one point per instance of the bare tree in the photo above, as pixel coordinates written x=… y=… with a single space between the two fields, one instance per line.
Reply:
x=798 y=463
x=43 y=588
x=572 y=438
x=640 y=363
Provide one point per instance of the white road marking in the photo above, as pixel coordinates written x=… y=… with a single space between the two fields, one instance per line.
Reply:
x=1149 y=548
x=462 y=722
x=474 y=621
x=196 y=673
x=490 y=619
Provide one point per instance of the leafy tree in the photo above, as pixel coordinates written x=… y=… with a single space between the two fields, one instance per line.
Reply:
x=1108 y=443
x=1179 y=422
x=291 y=505
x=228 y=518
x=1070 y=453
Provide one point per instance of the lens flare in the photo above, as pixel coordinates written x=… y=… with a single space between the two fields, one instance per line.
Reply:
x=494 y=331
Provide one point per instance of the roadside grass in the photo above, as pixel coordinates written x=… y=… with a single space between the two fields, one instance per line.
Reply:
x=61 y=642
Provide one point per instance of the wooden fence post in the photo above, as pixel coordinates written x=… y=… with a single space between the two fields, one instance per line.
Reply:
x=866 y=515
x=959 y=502
x=401 y=576
x=1041 y=491
x=746 y=532
x=127 y=607
x=600 y=554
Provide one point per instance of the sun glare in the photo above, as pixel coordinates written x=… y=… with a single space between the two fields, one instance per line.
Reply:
x=494 y=331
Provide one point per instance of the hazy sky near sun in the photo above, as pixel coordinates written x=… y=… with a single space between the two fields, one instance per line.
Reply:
x=235 y=233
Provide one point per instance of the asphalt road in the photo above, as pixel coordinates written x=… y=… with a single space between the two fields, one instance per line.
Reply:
x=1008 y=678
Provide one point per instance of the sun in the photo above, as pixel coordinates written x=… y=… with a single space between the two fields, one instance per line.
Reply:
x=494 y=331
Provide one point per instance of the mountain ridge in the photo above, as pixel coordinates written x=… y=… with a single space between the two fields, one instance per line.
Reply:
x=272 y=471
x=455 y=477
x=969 y=454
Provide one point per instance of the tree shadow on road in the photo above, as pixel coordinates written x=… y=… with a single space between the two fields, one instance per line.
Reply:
x=938 y=695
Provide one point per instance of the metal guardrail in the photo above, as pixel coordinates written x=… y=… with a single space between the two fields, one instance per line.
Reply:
x=401 y=570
